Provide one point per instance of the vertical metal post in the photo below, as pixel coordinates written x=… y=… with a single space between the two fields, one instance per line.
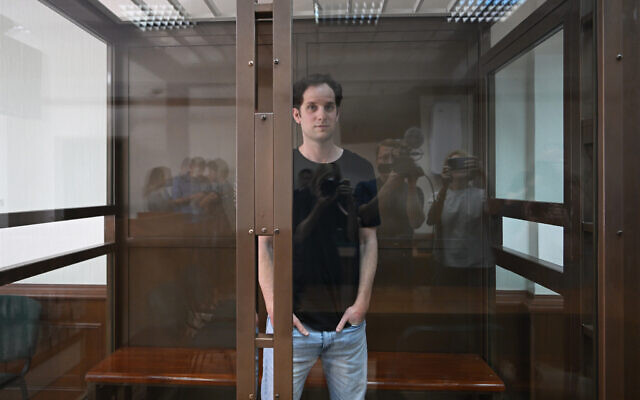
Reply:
x=246 y=253
x=610 y=218
x=264 y=153
x=283 y=194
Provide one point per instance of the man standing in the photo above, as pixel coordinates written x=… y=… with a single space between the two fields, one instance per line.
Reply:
x=334 y=250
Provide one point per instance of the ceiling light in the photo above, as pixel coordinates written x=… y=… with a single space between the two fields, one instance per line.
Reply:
x=482 y=10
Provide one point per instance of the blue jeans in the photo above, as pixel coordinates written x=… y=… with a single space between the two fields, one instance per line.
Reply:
x=344 y=361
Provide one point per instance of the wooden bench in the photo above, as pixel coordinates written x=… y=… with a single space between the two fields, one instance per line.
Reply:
x=155 y=366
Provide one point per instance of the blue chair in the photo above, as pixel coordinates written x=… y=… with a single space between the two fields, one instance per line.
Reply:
x=19 y=326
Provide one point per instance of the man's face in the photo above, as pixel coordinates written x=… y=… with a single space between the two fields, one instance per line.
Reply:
x=196 y=171
x=318 y=113
x=213 y=174
x=385 y=156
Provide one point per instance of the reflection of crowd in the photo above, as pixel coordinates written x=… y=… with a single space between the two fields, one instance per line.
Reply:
x=201 y=190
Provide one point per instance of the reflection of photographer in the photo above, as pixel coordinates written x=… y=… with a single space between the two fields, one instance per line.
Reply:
x=400 y=201
x=457 y=213
x=326 y=189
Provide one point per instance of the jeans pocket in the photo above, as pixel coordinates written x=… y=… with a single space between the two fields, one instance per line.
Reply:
x=354 y=327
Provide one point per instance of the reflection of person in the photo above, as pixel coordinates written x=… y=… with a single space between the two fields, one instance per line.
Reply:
x=210 y=190
x=227 y=192
x=400 y=200
x=457 y=213
x=304 y=178
x=181 y=187
x=198 y=184
x=156 y=195
x=401 y=205
x=333 y=263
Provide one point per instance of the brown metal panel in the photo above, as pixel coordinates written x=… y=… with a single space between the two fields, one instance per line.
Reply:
x=631 y=182
x=283 y=191
x=264 y=8
x=609 y=139
x=535 y=211
x=110 y=237
x=264 y=63
x=264 y=340
x=245 y=238
x=110 y=303
x=572 y=198
x=532 y=268
x=264 y=173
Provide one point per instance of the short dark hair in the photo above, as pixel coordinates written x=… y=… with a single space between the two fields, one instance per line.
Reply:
x=197 y=162
x=393 y=143
x=212 y=165
x=315 y=80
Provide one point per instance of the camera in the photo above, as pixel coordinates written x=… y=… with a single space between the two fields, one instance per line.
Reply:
x=327 y=179
x=458 y=163
x=328 y=186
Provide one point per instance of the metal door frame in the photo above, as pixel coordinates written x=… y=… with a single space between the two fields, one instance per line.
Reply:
x=264 y=144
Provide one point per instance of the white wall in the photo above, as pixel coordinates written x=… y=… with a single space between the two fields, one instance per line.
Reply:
x=500 y=29
x=548 y=94
x=511 y=126
x=53 y=132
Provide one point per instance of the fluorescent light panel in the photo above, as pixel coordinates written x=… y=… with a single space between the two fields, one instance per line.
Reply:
x=482 y=10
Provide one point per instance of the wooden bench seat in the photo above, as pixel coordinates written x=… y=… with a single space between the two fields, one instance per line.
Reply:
x=216 y=367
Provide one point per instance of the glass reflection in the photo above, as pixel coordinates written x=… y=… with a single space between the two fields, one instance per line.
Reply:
x=200 y=192
x=457 y=214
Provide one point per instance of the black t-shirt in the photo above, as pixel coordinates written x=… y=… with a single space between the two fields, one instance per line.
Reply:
x=326 y=251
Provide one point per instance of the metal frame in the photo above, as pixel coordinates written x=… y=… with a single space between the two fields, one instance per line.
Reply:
x=610 y=217
x=264 y=146
x=541 y=24
x=24 y=218
x=246 y=250
x=84 y=16
x=20 y=271
x=283 y=198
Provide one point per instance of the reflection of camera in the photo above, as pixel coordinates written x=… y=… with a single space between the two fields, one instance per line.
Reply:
x=329 y=185
x=458 y=162
x=405 y=154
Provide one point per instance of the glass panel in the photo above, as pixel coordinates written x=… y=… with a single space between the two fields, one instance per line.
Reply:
x=167 y=71
x=53 y=328
x=371 y=257
x=529 y=124
x=25 y=243
x=405 y=152
x=182 y=150
x=542 y=241
x=180 y=106
x=53 y=108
